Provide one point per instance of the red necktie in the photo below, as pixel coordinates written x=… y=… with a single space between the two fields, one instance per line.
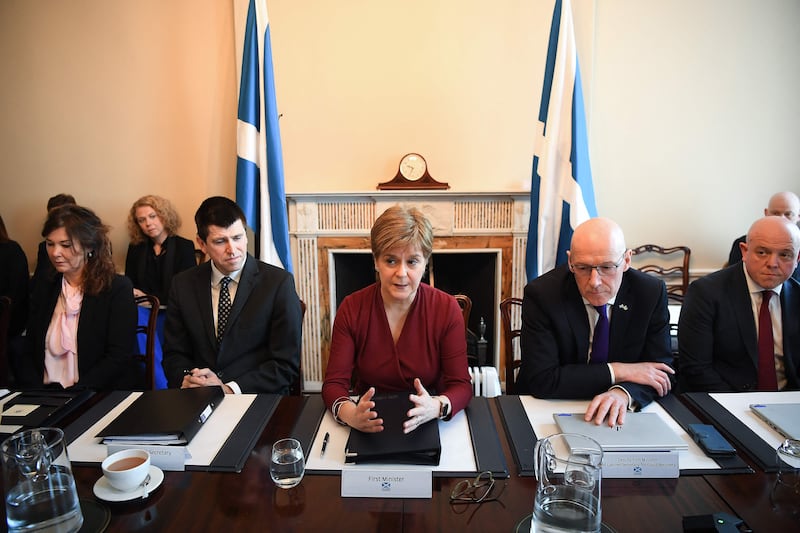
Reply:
x=767 y=381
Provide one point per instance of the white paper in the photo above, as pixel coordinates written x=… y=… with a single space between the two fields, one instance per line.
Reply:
x=738 y=404
x=540 y=415
x=457 y=453
x=204 y=446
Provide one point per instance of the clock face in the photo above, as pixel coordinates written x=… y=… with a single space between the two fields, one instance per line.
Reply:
x=413 y=166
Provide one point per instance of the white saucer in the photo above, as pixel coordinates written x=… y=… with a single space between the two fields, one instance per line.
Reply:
x=104 y=490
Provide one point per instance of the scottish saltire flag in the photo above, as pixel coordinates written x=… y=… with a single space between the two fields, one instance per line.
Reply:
x=561 y=185
x=259 y=167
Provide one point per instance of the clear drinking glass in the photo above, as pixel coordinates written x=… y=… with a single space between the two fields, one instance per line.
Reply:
x=288 y=464
x=39 y=488
x=785 y=495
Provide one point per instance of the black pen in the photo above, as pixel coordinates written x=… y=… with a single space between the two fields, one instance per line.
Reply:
x=324 y=443
x=188 y=372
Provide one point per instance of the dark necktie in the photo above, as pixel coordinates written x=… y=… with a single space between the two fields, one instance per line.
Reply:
x=600 y=339
x=224 y=309
x=766 y=347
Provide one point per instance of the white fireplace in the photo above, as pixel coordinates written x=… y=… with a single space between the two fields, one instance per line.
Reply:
x=324 y=224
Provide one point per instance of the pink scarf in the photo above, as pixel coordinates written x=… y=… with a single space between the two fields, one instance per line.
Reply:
x=61 y=347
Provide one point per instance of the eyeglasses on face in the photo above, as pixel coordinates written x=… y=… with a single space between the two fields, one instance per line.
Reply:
x=477 y=490
x=604 y=270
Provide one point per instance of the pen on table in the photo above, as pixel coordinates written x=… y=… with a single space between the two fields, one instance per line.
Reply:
x=324 y=443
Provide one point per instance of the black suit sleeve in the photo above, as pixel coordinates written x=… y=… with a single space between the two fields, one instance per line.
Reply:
x=111 y=332
x=656 y=348
x=281 y=363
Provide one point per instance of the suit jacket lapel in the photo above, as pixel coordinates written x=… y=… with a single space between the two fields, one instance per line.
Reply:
x=202 y=291
x=577 y=318
x=743 y=310
x=168 y=267
x=620 y=316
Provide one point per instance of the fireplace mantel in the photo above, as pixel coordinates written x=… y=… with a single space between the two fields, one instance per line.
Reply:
x=321 y=222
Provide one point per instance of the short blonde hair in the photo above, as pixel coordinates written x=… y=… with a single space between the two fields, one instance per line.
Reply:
x=401 y=226
x=163 y=208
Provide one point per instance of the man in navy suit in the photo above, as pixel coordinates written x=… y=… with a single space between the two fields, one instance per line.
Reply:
x=718 y=328
x=561 y=311
x=256 y=346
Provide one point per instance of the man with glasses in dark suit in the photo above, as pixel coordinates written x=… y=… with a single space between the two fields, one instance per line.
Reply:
x=596 y=329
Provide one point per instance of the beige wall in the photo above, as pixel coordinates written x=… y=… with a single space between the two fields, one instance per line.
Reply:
x=692 y=105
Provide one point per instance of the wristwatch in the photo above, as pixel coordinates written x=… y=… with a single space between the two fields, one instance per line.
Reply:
x=444 y=407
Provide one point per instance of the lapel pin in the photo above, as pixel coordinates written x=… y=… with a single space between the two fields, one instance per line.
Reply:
x=623 y=307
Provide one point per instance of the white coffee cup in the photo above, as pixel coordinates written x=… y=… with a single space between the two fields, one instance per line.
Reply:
x=127 y=469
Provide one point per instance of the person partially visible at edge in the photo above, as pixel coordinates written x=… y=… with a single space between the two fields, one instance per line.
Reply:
x=257 y=348
x=398 y=334
x=561 y=311
x=156 y=253
x=14 y=281
x=718 y=329
x=82 y=326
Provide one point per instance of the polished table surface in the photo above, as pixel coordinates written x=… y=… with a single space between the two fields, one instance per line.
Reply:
x=249 y=501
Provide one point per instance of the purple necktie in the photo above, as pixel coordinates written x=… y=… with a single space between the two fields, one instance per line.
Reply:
x=600 y=340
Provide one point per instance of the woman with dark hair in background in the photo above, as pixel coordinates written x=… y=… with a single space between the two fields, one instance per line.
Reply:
x=14 y=281
x=156 y=252
x=82 y=325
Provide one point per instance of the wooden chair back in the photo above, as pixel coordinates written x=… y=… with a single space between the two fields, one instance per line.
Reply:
x=149 y=329
x=511 y=316
x=670 y=264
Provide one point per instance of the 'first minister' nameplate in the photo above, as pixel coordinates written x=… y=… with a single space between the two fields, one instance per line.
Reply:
x=360 y=483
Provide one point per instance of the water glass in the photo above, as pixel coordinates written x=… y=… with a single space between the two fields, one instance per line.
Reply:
x=785 y=494
x=568 y=472
x=287 y=464
x=39 y=488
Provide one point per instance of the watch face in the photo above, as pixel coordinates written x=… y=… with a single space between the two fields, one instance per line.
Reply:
x=412 y=166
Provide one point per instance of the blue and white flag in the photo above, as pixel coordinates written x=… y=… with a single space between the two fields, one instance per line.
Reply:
x=259 y=167
x=561 y=185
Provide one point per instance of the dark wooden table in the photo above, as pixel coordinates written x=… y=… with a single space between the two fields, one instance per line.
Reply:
x=249 y=501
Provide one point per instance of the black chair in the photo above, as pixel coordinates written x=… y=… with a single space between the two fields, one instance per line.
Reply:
x=149 y=329
x=511 y=313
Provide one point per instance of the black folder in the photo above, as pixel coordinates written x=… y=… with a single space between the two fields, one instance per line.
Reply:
x=391 y=446
x=169 y=416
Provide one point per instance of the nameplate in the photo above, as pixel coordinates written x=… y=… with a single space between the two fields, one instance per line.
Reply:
x=359 y=483
x=171 y=458
x=641 y=464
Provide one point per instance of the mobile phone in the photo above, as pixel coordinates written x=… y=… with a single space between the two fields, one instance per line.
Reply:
x=712 y=442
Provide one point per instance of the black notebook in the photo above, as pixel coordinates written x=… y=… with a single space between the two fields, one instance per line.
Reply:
x=169 y=416
x=391 y=446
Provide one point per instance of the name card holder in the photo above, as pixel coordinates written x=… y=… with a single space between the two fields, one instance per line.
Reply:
x=659 y=464
x=362 y=483
x=172 y=458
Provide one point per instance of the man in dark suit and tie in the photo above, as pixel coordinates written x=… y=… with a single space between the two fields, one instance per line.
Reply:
x=739 y=328
x=232 y=321
x=595 y=328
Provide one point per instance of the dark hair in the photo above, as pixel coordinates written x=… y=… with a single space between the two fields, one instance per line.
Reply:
x=84 y=226
x=60 y=199
x=3 y=231
x=163 y=208
x=217 y=211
